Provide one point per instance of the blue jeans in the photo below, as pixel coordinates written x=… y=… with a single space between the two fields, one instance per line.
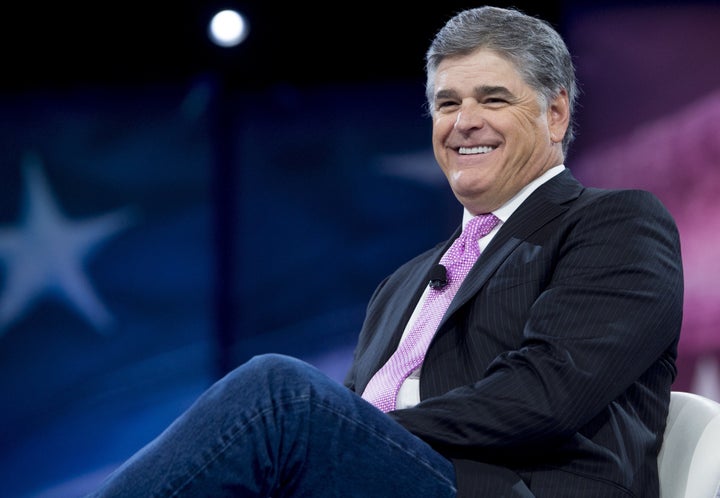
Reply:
x=278 y=427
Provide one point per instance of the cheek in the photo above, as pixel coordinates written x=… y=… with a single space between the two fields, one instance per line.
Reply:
x=442 y=126
x=524 y=140
x=439 y=135
x=523 y=118
x=436 y=133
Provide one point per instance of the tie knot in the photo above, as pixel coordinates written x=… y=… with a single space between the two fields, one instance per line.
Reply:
x=465 y=246
x=481 y=225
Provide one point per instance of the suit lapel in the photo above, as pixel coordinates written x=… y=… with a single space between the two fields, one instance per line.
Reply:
x=550 y=200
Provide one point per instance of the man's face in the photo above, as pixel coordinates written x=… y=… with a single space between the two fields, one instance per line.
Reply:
x=491 y=136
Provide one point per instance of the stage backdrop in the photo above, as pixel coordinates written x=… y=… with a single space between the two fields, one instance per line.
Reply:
x=151 y=239
x=649 y=119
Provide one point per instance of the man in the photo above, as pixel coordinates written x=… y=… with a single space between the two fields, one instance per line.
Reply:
x=549 y=373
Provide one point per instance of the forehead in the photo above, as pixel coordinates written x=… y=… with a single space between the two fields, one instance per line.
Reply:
x=481 y=67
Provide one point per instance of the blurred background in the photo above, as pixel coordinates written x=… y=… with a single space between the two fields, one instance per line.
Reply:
x=171 y=207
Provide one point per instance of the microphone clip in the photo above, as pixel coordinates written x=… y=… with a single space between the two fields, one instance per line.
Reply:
x=437 y=277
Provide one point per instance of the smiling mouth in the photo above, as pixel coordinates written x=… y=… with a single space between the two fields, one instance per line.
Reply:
x=463 y=151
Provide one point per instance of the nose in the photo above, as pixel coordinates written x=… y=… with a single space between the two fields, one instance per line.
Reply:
x=469 y=117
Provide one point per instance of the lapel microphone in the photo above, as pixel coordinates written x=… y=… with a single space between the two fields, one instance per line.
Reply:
x=437 y=277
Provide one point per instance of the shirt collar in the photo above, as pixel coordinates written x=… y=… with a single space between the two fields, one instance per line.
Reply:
x=504 y=211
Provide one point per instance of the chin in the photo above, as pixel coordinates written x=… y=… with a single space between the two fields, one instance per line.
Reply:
x=469 y=187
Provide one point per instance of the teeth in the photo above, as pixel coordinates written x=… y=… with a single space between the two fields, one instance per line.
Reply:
x=475 y=150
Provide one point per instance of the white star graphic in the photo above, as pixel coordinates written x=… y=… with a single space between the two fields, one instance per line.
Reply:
x=44 y=255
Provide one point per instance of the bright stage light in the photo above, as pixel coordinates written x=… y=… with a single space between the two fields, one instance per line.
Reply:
x=228 y=28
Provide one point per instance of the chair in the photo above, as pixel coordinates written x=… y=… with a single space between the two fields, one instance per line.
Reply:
x=689 y=460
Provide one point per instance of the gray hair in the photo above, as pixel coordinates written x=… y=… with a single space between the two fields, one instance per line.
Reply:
x=532 y=45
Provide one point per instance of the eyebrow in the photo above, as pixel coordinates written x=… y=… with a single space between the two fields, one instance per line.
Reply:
x=486 y=90
x=479 y=91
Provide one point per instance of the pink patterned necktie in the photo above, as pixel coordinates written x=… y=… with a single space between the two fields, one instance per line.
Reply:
x=383 y=387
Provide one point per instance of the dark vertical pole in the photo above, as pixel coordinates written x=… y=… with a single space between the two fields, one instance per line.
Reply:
x=224 y=214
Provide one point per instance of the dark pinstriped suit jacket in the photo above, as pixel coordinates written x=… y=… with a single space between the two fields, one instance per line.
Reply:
x=557 y=355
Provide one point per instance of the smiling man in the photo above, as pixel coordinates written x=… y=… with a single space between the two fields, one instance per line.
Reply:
x=492 y=133
x=529 y=355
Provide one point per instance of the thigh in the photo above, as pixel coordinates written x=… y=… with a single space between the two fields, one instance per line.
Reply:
x=277 y=426
x=345 y=447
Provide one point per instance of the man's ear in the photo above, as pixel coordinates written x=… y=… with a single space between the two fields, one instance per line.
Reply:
x=558 y=116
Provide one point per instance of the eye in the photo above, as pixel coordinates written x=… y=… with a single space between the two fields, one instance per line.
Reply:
x=495 y=101
x=446 y=105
